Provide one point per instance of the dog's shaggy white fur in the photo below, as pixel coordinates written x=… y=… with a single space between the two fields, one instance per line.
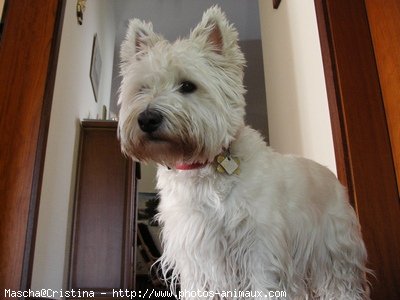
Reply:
x=282 y=223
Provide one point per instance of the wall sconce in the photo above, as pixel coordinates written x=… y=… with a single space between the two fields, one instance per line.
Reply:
x=80 y=8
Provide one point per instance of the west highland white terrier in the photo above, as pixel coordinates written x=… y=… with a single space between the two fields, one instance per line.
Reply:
x=239 y=221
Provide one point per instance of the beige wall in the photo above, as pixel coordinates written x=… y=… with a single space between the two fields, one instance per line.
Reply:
x=73 y=100
x=297 y=105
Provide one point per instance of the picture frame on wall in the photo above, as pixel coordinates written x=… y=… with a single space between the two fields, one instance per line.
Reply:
x=95 y=67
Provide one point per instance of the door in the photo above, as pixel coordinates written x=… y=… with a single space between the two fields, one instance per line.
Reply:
x=362 y=143
x=385 y=30
x=28 y=53
x=102 y=248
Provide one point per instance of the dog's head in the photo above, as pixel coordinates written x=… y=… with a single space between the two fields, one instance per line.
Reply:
x=181 y=102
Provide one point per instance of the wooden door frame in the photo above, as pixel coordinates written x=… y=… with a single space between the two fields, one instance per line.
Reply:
x=28 y=58
x=361 y=140
x=355 y=102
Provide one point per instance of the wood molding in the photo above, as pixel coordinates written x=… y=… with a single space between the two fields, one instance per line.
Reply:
x=385 y=30
x=27 y=78
x=41 y=151
x=362 y=145
x=334 y=101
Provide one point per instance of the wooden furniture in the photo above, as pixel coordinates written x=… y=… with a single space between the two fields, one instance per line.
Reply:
x=102 y=252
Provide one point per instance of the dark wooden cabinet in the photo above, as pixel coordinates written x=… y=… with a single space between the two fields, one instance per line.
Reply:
x=102 y=248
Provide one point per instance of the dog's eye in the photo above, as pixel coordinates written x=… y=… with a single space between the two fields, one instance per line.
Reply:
x=143 y=88
x=187 y=87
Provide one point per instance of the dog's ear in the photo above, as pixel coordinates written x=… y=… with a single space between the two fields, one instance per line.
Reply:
x=215 y=32
x=139 y=38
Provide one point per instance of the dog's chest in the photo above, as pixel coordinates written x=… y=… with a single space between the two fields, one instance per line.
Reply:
x=207 y=229
x=198 y=189
x=205 y=207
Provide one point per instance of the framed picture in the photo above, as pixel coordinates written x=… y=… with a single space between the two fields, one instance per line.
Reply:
x=95 y=67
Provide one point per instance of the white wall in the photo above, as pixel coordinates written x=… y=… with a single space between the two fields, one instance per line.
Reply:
x=73 y=100
x=297 y=105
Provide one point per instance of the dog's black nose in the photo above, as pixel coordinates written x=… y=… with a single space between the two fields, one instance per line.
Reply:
x=149 y=120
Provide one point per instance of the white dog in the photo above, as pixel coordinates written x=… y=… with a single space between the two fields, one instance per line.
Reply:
x=237 y=217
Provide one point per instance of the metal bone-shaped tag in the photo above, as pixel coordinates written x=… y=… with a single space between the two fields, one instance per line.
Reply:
x=228 y=164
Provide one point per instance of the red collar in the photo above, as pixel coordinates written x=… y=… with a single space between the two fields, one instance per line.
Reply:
x=190 y=166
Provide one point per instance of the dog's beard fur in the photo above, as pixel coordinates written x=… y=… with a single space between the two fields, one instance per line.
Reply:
x=187 y=134
x=283 y=223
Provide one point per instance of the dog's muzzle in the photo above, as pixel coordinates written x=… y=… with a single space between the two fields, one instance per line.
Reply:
x=150 y=120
